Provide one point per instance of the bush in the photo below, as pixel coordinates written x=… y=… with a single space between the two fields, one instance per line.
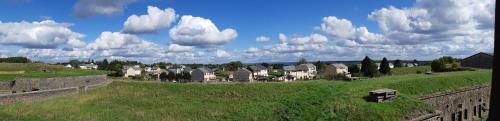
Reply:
x=438 y=65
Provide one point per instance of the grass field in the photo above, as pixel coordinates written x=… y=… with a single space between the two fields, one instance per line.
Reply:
x=33 y=70
x=307 y=100
x=409 y=70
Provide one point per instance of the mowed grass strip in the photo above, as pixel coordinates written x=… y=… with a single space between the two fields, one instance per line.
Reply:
x=35 y=70
x=409 y=70
x=308 y=100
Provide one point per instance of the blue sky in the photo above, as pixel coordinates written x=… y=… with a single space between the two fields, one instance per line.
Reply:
x=251 y=19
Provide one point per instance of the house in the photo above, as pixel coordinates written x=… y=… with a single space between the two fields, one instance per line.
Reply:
x=297 y=72
x=409 y=64
x=310 y=69
x=90 y=66
x=391 y=65
x=479 y=60
x=243 y=75
x=378 y=66
x=333 y=70
x=131 y=71
x=258 y=71
x=68 y=66
x=202 y=75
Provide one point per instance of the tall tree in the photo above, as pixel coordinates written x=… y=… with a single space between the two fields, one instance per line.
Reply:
x=384 y=66
x=234 y=65
x=320 y=66
x=171 y=76
x=74 y=63
x=163 y=76
x=265 y=65
x=103 y=65
x=116 y=66
x=415 y=61
x=302 y=61
x=353 y=68
x=369 y=68
x=438 y=65
x=397 y=63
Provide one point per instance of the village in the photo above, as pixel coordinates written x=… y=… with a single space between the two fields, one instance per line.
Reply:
x=237 y=72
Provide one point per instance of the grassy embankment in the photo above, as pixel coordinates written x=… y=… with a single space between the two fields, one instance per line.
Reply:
x=308 y=100
x=409 y=70
x=9 y=71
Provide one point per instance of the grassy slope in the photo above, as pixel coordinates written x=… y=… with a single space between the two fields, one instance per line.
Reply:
x=409 y=70
x=33 y=70
x=312 y=100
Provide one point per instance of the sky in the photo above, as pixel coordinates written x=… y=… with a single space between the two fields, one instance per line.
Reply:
x=220 y=31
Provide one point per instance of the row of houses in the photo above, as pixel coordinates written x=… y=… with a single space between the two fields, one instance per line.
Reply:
x=90 y=66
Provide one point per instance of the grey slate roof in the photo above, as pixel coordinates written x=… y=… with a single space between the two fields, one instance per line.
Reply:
x=339 y=65
x=302 y=67
x=257 y=67
x=309 y=65
x=205 y=70
x=289 y=68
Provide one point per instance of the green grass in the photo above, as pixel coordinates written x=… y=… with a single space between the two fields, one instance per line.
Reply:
x=409 y=70
x=308 y=100
x=34 y=70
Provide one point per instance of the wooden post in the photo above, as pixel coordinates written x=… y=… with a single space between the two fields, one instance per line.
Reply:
x=495 y=85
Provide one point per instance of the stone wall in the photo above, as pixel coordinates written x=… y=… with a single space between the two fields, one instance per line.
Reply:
x=468 y=104
x=5 y=85
x=36 y=95
x=30 y=84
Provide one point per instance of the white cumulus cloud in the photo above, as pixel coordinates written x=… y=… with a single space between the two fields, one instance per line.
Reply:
x=262 y=39
x=343 y=30
x=200 y=32
x=43 y=34
x=155 y=20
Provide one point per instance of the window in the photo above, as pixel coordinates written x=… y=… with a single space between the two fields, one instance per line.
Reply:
x=465 y=113
x=453 y=117
x=475 y=110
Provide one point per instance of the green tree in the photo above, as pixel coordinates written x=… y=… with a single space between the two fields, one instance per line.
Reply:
x=384 y=66
x=369 y=68
x=171 y=76
x=438 y=65
x=234 y=65
x=415 y=61
x=15 y=60
x=74 y=63
x=353 y=68
x=265 y=65
x=186 y=75
x=103 y=65
x=302 y=61
x=163 y=76
x=455 y=65
x=447 y=59
x=320 y=66
x=397 y=63
x=116 y=66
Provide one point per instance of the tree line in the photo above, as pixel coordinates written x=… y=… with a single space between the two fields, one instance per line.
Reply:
x=15 y=60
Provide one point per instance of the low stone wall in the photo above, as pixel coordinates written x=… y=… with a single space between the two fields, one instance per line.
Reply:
x=468 y=104
x=436 y=116
x=29 y=84
x=5 y=85
x=36 y=95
